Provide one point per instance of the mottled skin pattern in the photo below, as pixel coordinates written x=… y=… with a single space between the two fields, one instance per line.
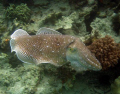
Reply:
x=44 y=48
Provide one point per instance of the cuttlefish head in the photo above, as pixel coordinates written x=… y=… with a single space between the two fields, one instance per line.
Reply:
x=80 y=58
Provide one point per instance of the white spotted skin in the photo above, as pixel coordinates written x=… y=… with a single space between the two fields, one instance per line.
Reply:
x=45 y=48
x=54 y=49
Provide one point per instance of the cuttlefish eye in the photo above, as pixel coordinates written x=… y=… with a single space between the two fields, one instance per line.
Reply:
x=73 y=49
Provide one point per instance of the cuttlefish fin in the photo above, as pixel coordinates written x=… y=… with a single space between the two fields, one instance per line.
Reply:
x=45 y=30
x=16 y=34
x=24 y=57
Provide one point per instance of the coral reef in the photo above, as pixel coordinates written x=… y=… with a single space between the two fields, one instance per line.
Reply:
x=46 y=79
x=105 y=21
x=21 y=12
x=58 y=15
x=106 y=51
x=27 y=79
x=98 y=25
x=88 y=19
x=99 y=22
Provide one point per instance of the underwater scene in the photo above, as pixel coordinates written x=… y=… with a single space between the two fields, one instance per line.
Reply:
x=59 y=46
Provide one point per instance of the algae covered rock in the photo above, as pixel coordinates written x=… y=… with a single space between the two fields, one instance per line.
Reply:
x=27 y=78
x=21 y=12
x=104 y=26
x=115 y=87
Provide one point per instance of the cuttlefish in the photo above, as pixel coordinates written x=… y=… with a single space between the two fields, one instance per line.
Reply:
x=50 y=46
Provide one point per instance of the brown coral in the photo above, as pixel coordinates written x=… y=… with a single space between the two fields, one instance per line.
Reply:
x=106 y=51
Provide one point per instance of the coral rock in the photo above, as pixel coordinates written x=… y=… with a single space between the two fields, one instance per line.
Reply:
x=106 y=51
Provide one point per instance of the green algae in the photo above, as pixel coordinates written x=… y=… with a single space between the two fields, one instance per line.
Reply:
x=21 y=12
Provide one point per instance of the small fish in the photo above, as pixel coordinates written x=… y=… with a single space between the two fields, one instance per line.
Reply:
x=50 y=46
